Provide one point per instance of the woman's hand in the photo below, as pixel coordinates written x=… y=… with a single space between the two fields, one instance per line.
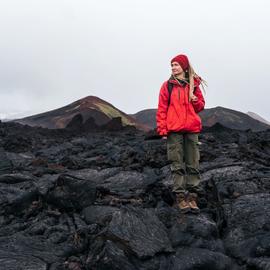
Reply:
x=193 y=97
x=164 y=137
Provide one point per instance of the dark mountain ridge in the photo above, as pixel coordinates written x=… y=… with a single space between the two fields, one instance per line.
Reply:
x=227 y=117
x=92 y=107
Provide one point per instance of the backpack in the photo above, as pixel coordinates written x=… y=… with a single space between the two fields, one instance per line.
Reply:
x=170 y=87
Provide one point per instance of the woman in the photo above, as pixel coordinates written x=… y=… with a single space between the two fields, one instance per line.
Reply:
x=180 y=101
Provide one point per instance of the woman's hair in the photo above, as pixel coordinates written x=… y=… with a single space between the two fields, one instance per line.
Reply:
x=191 y=74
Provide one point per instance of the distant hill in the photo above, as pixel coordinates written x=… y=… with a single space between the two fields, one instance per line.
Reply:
x=231 y=118
x=89 y=107
x=227 y=117
x=146 y=117
x=258 y=117
x=5 y=120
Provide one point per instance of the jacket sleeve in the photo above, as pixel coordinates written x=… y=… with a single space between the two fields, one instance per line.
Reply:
x=199 y=104
x=161 y=116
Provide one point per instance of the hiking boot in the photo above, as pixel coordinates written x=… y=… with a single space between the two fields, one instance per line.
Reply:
x=192 y=198
x=182 y=202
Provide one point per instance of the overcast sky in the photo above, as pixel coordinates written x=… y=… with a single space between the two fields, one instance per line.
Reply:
x=54 y=52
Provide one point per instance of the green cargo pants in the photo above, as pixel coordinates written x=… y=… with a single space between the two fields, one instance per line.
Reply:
x=183 y=154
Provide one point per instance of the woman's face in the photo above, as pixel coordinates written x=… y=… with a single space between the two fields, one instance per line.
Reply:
x=176 y=69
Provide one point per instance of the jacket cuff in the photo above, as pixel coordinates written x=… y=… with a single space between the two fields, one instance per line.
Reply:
x=163 y=133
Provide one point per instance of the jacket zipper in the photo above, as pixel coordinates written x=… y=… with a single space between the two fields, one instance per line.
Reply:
x=185 y=106
x=184 y=99
x=178 y=91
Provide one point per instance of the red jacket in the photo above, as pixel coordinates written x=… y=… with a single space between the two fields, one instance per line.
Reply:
x=180 y=115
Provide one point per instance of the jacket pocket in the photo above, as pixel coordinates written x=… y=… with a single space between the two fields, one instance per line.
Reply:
x=176 y=119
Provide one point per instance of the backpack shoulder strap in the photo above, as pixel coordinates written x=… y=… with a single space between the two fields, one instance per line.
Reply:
x=170 y=87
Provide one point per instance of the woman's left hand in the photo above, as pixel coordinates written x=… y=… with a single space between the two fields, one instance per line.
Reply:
x=193 y=98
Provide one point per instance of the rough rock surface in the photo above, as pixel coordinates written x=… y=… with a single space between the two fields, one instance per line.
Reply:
x=103 y=200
